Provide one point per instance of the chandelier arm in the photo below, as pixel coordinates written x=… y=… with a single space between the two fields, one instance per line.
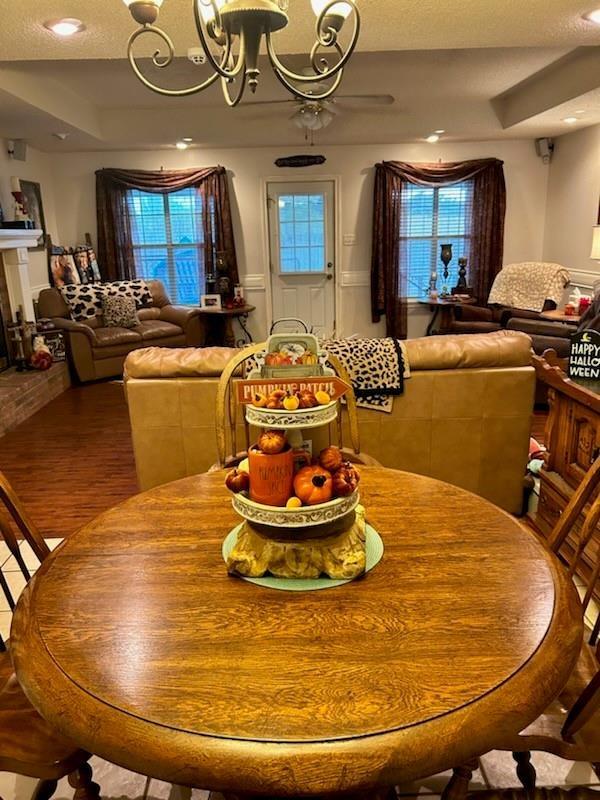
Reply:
x=162 y=64
x=219 y=32
x=281 y=77
x=232 y=102
x=326 y=38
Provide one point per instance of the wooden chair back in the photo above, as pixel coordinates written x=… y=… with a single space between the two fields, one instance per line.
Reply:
x=588 y=492
x=227 y=413
x=12 y=512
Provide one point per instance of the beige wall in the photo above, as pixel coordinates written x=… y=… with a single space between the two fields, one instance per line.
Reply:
x=38 y=168
x=525 y=175
x=572 y=203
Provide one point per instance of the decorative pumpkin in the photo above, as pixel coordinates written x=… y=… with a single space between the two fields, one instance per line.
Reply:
x=313 y=485
x=307 y=399
x=271 y=442
x=345 y=480
x=237 y=481
x=330 y=458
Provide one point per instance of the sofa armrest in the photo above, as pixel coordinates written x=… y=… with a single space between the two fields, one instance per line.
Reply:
x=179 y=315
x=473 y=314
x=70 y=326
x=541 y=327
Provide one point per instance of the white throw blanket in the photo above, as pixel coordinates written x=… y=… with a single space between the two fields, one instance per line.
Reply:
x=529 y=285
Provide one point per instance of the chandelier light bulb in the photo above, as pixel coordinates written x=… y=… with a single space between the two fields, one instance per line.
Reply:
x=207 y=10
x=337 y=9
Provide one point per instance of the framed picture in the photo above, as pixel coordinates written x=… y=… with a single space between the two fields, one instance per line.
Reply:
x=35 y=210
x=210 y=301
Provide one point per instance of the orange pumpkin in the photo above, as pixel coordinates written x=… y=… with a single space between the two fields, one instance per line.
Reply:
x=313 y=485
x=271 y=442
x=345 y=480
x=331 y=458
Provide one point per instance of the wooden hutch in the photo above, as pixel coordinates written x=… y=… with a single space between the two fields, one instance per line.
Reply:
x=573 y=444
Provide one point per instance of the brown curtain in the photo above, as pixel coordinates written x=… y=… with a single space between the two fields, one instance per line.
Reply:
x=115 y=251
x=388 y=281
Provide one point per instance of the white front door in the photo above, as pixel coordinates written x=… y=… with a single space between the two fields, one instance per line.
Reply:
x=302 y=257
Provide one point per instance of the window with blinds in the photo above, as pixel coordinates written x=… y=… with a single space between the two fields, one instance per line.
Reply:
x=168 y=241
x=431 y=217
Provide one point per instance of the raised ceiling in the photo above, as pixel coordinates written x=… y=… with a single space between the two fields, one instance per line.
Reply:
x=480 y=69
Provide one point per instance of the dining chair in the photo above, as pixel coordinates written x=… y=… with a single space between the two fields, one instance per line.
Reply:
x=227 y=416
x=570 y=726
x=28 y=744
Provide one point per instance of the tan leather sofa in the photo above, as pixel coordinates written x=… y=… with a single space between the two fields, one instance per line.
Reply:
x=99 y=352
x=464 y=417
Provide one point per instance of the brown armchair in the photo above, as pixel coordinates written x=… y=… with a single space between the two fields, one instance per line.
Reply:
x=96 y=351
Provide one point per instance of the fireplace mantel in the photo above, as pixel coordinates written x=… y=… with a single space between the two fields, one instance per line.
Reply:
x=11 y=238
x=14 y=244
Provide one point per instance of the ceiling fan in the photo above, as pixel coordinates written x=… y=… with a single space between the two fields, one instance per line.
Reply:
x=315 y=115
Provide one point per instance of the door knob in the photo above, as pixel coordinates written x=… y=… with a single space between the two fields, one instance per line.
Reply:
x=330 y=277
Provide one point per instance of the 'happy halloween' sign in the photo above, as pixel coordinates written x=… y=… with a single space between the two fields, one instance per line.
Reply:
x=584 y=362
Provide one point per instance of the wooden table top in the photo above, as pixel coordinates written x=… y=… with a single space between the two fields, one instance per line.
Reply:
x=448 y=301
x=558 y=315
x=134 y=642
x=236 y=311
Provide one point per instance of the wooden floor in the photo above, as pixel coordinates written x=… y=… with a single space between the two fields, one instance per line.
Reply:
x=73 y=459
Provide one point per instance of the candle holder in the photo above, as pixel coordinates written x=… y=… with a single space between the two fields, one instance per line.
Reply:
x=446 y=258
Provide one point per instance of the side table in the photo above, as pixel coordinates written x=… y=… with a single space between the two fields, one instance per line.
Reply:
x=558 y=315
x=220 y=325
x=443 y=312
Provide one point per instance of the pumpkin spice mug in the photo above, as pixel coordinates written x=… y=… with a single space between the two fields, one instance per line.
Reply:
x=271 y=476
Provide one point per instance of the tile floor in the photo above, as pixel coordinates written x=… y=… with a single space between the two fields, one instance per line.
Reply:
x=496 y=769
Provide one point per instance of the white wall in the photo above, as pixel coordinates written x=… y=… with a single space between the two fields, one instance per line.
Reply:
x=572 y=205
x=526 y=179
x=38 y=168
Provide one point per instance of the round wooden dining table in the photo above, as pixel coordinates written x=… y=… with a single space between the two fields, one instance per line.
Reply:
x=133 y=641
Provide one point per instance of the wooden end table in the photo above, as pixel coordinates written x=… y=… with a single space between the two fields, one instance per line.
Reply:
x=558 y=315
x=220 y=332
x=134 y=642
x=443 y=312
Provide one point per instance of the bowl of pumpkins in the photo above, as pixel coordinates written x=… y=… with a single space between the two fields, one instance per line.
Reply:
x=280 y=487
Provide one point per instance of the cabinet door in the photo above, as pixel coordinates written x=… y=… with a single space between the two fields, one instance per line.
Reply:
x=582 y=443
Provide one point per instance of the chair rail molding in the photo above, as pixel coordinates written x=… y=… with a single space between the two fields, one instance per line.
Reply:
x=254 y=282
x=14 y=246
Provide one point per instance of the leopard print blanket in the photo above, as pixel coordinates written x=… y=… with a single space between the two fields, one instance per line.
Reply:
x=377 y=369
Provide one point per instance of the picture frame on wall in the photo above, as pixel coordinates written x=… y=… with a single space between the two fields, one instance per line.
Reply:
x=211 y=302
x=35 y=210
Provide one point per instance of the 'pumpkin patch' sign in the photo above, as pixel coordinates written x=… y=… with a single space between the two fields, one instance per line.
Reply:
x=248 y=389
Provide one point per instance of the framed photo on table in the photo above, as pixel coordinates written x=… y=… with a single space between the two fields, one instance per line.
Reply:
x=35 y=210
x=211 y=301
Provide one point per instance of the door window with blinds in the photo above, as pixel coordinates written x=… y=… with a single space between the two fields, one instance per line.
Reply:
x=168 y=241
x=429 y=218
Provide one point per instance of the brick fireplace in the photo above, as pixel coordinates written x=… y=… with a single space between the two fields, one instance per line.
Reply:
x=21 y=393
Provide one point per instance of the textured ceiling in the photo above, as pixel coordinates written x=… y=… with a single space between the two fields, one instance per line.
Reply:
x=480 y=69
x=387 y=25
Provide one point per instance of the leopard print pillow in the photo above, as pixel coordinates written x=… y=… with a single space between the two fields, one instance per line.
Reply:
x=85 y=300
x=119 y=312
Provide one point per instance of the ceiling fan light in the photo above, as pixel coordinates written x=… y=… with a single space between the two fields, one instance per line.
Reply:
x=337 y=9
x=326 y=117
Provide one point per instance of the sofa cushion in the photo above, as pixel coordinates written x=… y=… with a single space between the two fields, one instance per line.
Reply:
x=119 y=312
x=470 y=351
x=157 y=329
x=108 y=337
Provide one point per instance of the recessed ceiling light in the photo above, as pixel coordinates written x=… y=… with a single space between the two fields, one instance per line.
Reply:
x=187 y=140
x=65 y=27
x=593 y=16
x=433 y=138
x=440 y=132
x=182 y=145
x=570 y=120
x=581 y=111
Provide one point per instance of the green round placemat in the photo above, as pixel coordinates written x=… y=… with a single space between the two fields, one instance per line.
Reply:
x=374 y=544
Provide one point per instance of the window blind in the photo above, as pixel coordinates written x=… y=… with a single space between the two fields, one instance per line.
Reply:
x=429 y=218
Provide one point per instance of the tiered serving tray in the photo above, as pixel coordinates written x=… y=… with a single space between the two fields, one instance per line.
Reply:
x=280 y=419
x=302 y=517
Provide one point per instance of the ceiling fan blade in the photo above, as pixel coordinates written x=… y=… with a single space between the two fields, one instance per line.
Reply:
x=268 y=103
x=367 y=99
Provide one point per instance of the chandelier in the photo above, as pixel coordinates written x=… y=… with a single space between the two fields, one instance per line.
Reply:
x=231 y=33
